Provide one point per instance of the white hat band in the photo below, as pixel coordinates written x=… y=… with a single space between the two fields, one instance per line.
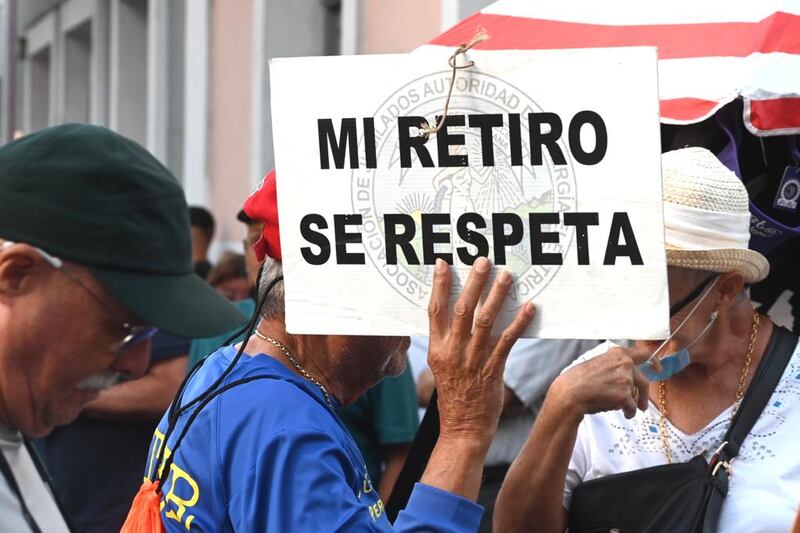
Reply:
x=690 y=228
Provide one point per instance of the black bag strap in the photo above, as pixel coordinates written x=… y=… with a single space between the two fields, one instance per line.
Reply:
x=8 y=474
x=47 y=480
x=779 y=351
x=769 y=373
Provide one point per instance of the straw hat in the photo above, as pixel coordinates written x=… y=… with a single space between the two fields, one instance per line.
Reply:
x=707 y=216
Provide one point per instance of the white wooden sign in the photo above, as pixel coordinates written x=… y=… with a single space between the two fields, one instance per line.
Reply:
x=548 y=164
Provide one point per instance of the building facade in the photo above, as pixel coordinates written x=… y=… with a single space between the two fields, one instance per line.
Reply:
x=188 y=79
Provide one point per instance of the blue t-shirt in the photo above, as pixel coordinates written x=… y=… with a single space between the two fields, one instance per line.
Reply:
x=271 y=455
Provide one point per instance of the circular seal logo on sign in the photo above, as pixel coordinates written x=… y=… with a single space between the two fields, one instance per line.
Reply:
x=485 y=190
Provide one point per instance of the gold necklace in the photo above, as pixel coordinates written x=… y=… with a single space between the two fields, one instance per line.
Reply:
x=296 y=364
x=662 y=391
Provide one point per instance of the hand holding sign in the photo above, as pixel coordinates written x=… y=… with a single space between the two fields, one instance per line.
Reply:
x=466 y=361
x=467 y=364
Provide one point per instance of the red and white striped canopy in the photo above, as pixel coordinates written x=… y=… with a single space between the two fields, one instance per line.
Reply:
x=710 y=51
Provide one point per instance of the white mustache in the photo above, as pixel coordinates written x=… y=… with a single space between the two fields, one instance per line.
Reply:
x=99 y=382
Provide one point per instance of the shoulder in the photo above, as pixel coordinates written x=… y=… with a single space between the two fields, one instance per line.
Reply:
x=273 y=403
x=274 y=418
x=259 y=395
x=787 y=393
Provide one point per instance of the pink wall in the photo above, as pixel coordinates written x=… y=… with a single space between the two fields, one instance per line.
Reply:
x=230 y=87
x=397 y=26
x=384 y=27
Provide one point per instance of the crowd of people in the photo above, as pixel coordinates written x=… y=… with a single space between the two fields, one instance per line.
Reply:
x=127 y=353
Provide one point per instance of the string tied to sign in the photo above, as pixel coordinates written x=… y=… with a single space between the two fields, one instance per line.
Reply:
x=425 y=129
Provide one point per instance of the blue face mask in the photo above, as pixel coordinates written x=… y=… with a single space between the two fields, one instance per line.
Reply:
x=675 y=362
x=670 y=365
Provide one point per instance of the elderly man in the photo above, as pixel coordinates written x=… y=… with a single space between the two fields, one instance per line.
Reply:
x=603 y=416
x=253 y=443
x=94 y=256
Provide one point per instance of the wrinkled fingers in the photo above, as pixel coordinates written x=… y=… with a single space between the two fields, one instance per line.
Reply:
x=486 y=317
x=464 y=308
x=510 y=335
x=439 y=304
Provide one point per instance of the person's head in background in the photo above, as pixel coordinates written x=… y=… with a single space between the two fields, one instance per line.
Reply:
x=229 y=277
x=251 y=262
x=202 y=226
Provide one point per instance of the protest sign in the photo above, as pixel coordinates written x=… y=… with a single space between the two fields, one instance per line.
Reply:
x=548 y=164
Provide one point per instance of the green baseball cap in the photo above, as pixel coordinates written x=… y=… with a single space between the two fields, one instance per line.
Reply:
x=90 y=196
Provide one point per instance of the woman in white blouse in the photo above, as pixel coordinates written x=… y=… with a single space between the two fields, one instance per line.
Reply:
x=603 y=416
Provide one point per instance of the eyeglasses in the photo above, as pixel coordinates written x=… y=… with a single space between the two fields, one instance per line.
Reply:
x=134 y=334
x=697 y=291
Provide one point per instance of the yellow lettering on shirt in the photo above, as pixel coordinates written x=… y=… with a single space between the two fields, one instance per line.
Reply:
x=180 y=482
x=177 y=475
x=155 y=449
x=167 y=453
x=376 y=510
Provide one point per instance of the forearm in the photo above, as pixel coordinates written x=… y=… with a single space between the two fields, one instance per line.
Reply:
x=456 y=466
x=143 y=399
x=395 y=459
x=425 y=386
x=532 y=492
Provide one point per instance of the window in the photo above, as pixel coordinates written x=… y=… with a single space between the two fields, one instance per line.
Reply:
x=129 y=69
x=77 y=73
x=39 y=90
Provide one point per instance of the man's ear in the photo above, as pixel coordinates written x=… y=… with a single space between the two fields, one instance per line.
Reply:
x=18 y=263
x=729 y=286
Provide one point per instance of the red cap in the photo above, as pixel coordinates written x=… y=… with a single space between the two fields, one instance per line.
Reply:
x=262 y=206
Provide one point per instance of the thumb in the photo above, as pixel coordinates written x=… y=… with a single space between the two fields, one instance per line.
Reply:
x=638 y=354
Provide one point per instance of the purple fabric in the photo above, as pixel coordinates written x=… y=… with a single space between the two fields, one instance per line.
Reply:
x=766 y=233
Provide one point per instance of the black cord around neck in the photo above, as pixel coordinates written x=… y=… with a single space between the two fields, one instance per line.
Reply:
x=176 y=409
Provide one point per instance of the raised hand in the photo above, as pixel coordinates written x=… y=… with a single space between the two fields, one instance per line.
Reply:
x=604 y=383
x=467 y=361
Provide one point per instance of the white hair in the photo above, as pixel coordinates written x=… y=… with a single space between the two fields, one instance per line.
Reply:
x=274 y=306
